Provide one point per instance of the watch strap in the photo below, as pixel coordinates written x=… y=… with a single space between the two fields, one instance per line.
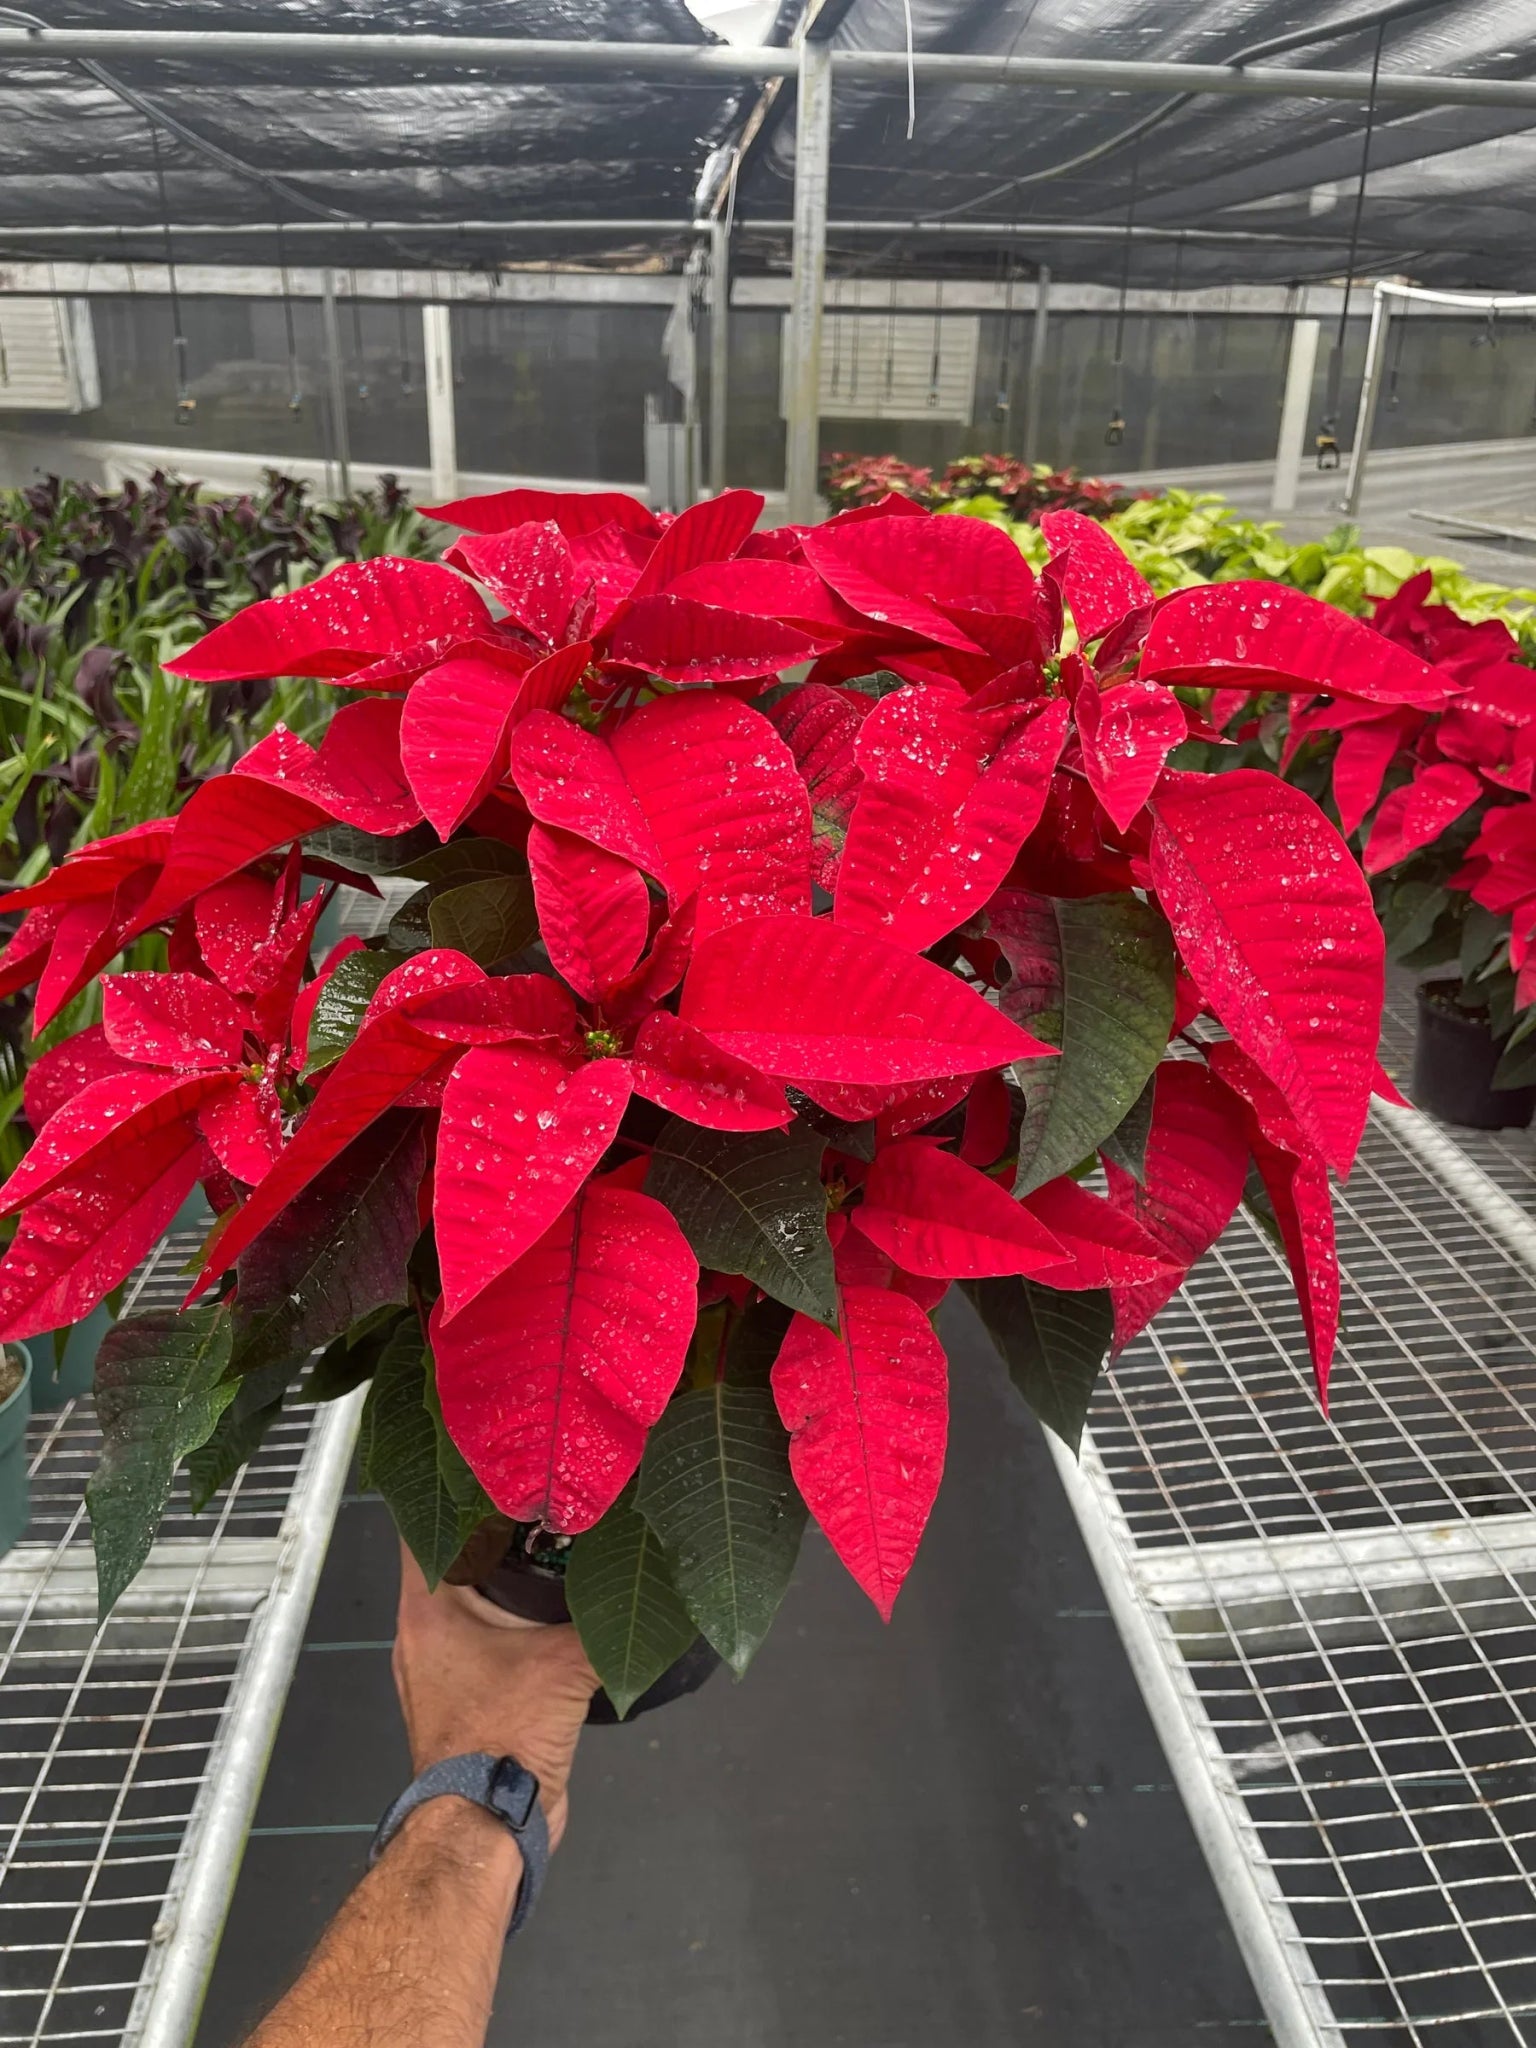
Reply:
x=499 y=1784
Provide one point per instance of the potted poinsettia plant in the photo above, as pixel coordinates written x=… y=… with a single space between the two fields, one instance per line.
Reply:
x=1435 y=785
x=730 y=1023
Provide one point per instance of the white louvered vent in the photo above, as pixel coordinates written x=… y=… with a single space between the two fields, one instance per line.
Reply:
x=896 y=366
x=47 y=356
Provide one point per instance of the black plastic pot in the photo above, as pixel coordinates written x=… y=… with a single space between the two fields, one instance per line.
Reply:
x=1454 y=1058
x=519 y=1585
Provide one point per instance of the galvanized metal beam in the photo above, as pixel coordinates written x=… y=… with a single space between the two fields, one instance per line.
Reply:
x=709 y=63
x=442 y=427
x=719 y=350
x=1294 y=409
x=808 y=281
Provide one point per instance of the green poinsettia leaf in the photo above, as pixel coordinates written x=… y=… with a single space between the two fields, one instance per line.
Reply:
x=370 y=854
x=467 y=860
x=240 y=1431
x=406 y=1455
x=1054 y=1345
x=1126 y=1144
x=751 y=1202
x=490 y=920
x=630 y=1616
x=160 y=1391
x=343 y=1002
x=716 y=1488
x=1094 y=976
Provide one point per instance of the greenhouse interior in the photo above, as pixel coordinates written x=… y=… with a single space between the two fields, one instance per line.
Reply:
x=769 y=817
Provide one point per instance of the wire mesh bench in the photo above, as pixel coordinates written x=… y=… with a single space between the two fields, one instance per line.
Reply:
x=131 y=1755
x=1334 y=1621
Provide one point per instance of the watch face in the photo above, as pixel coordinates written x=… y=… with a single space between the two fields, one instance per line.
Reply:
x=514 y=1792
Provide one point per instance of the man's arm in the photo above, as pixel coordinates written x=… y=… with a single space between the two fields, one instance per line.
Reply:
x=411 y=1959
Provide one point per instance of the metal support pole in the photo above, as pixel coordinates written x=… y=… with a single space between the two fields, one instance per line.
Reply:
x=1294 y=413
x=1370 y=393
x=808 y=278
x=442 y=435
x=340 y=450
x=1034 y=393
x=719 y=350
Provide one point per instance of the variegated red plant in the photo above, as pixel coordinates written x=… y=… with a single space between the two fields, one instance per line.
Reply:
x=1429 y=755
x=733 y=1020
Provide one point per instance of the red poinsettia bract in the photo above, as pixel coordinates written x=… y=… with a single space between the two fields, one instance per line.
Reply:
x=719 y=992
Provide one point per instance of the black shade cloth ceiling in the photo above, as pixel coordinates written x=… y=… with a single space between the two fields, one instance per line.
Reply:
x=1244 y=190
x=1450 y=197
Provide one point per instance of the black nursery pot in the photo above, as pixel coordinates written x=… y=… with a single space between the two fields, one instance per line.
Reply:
x=519 y=1585
x=1454 y=1058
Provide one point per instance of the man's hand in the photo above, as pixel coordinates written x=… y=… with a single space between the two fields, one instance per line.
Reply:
x=471 y=1677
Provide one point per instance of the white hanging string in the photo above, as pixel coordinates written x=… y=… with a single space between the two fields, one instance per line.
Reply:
x=906 y=8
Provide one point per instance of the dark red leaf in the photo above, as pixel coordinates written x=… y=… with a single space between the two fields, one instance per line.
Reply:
x=1416 y=814
x=570 y=778
x=681 y=1069
x=935 y=1215
x=940 y=816
x=688 y=642
x=520 y=1133
x=355 y=615
x=1100 y=582
x=78 y=1240
x=868 y=1416
x=1105 y=1246
x=1127 y=732
x=594 y=910
x=1274 y=919
x=530 y=569
x=172 y=1020
x=67 y=1071
x=1281 y=639
x=809 y=1001
x=574 y=512
x=724 y=804
x=710 y=531
x=112 y=1115
x=550 y=1380
x=1196 y=1164
x=454 y=735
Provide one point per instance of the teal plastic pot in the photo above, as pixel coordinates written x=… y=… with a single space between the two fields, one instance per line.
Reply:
x=14 y=1505
x=76 y=1370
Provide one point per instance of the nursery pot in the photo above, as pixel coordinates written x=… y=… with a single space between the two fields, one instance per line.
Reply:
x=1454 y=1058
x=520 y=1585
x=14 y=1410
x=76 y=1361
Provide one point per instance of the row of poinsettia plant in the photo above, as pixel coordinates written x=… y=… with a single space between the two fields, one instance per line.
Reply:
x=1440 y=794
x=731 y=1022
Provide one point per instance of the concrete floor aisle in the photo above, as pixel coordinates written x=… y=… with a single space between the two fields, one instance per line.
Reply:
x=958 y=1830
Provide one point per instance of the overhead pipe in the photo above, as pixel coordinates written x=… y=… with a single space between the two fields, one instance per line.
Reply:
x=445 y=230
x=708 y=63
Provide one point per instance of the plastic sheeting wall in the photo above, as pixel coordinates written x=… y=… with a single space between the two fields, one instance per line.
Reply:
x=559 y=391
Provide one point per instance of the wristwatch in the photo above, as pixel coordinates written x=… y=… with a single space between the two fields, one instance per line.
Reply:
x=502 y=1786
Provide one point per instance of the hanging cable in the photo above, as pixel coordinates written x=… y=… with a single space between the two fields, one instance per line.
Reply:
x=1003 y=403
x=1328 y=429
x=357 y=337
x=295 y=395
x=186 y=404
x=1251 y=53
x=1114 y=433
x=402 y=332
